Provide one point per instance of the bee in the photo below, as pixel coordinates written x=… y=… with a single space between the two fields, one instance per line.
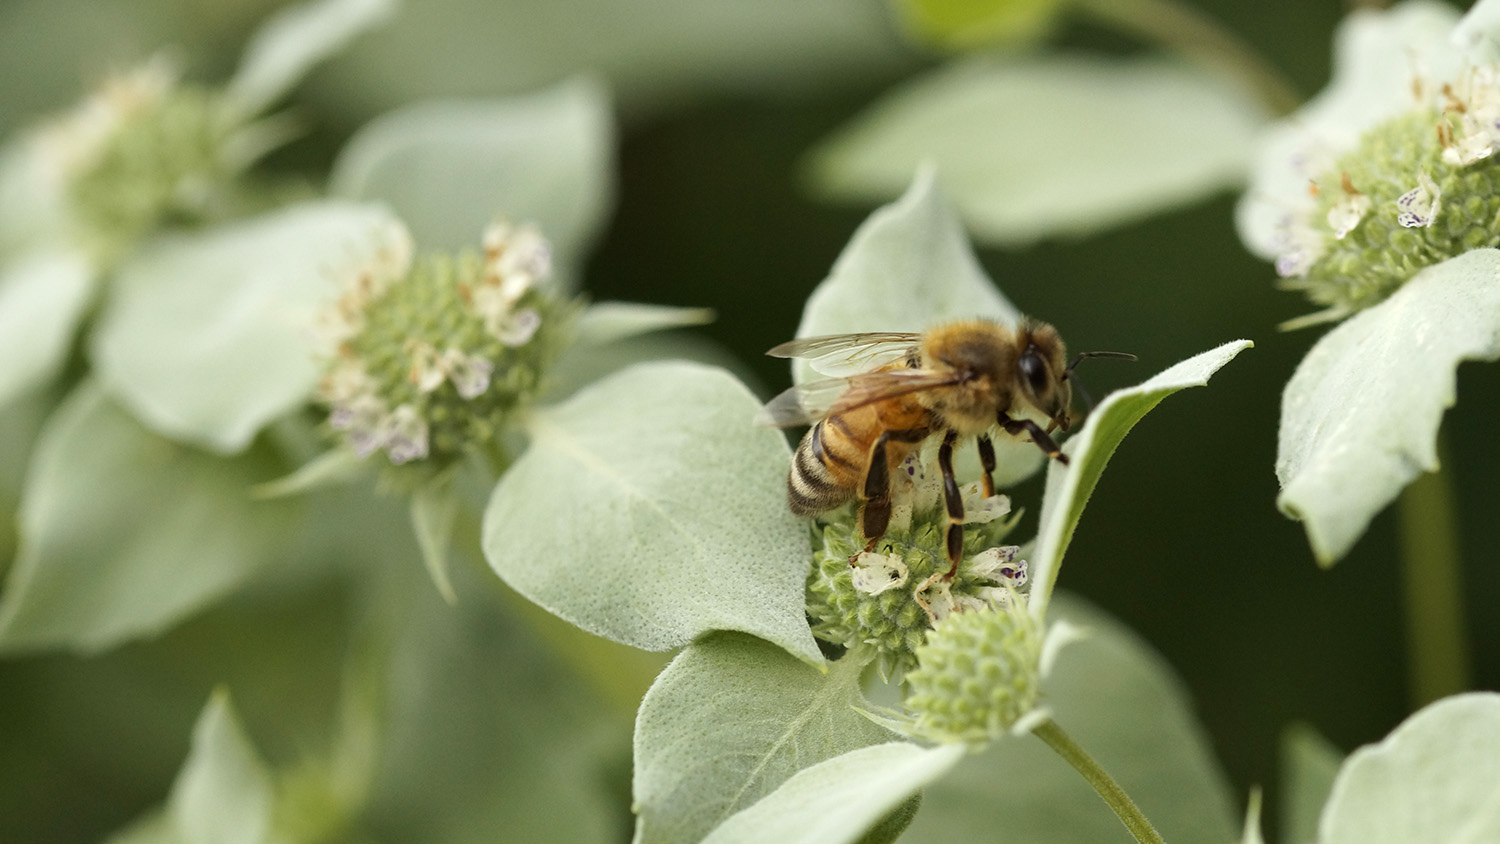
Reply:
x=957 y=380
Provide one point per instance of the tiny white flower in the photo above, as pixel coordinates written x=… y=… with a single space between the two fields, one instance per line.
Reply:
x=1299 y=246
x=978 y=509
x=874 y=573
x=1347 y=213
x=362 y=421
x=404 y=434
x=1420 y=205
x=470 y=374
x=1000 y=565
x=428 y=368
x=345 y=382
x=518 y=328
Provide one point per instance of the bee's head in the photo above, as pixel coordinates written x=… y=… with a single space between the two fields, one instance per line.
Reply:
x=1042 y=373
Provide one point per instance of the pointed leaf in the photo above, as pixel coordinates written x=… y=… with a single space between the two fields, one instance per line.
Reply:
x=607 y=322
x=839 y=800
x=729 y=721
x=205 y=336
x=42 y=298
x=1069 y=487
x=1118 y=699
x=1020 y=144
x=434 y=507
x=649 y=510
x=1435 y=779
x=123 y=533
x=1359 y=419
x=223 y=794
x=1252 y=833
x=1309 y=764
x=449 y=168
x=298 y=38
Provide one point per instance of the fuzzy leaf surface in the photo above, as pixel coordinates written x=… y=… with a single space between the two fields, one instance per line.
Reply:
x=1435 y=780
x=224 y=794
x=205 y=337
x=1050 y=146
x=840 y=800
x=1118 y=699
x=1309 y=764
x=298 y=38
x=449 y=168
x=1360 y=417
x=42 y=298
x=1069 y=487
x=730 y=720
x=649 y=510
x=123 y=532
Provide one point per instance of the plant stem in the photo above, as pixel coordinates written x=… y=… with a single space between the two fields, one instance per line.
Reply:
x=1102 y=782
x=1201 y=39
x=1432 y=578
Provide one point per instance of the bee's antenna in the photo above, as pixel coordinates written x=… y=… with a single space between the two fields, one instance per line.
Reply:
x=1082 y=355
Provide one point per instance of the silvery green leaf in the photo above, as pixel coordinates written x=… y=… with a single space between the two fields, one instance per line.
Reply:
x=434 y=507
x=298 y=38
x=1435 y=779
x=207 y=337
x=451 y=167
x=1480 y=26
x=42 y=298
x=841 y=799
x=608 y=322
x=1069 y=487
x=1359 y=419
x=224 y=794
x=1050 y=145
x=647 y=509
x=1119 y=700
x=124 y=533
x=729 y=721
x=334 y=467
x=907 y=268
x=1309 y=764
x=33 y=211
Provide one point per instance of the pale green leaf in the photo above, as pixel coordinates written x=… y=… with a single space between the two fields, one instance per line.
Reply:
x=1434 y=780
x=649 y=510
x=334 y=467
x=608 y=322
x=839 y=800
x=1069 y=487
x=153 y=828
x=1309 y=764
x=1252 y=833
x=434 y=508
x=910 y=267
x=123 y=533
x=1480 y=26
x=1359 y=419
x=42 y=299
x=1055 y=145
x=967 y=24
x=298 y=38
x=206 y=337
x=450 y=168
x=1120 y=701
x=729 y=721
x=223 y=795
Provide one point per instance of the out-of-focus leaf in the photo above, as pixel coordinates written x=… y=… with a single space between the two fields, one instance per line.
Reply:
x=1050 y=146
x=1435 y=779
x=1252 y=833
x=290 y=44
x=124 y=533
x=1359 y=419
x=205 y=337
x=1069 y=487
x=224 y=794
x=841 y=799
x=649 y=510
x=1308 y=766
x=42 y=298
x=729 y=721
x=965 y=24
x=608 y=322
x=1116 y=697
x=1480 y=26
x=434 y=507
x=450 y=168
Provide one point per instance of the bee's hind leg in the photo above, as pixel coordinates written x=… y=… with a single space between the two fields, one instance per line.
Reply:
x=875 y=509
x=987 y=460
x=954 y=537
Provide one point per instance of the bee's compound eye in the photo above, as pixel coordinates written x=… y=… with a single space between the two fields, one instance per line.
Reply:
x=1034 y=371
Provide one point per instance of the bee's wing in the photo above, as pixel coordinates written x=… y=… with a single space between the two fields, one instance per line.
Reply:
x=807 y=403
x=847 y=354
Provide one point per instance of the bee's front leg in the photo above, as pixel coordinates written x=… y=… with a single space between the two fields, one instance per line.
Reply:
x=1016 y=427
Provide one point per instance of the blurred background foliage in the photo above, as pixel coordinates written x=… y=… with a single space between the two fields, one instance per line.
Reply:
x=719 y=102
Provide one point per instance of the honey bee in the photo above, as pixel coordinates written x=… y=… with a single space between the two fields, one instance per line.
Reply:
x=957 y=380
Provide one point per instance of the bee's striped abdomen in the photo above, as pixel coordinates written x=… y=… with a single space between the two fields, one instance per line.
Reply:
x=822 y=476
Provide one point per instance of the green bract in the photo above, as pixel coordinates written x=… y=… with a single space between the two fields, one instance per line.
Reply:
x=977 y=674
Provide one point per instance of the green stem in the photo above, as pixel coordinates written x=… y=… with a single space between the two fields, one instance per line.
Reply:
x=1103 y=783
x=1202 y=40
x=1432 y=578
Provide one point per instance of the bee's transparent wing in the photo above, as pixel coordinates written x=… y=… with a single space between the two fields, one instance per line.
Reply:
x=848 y=354
x=807 y=403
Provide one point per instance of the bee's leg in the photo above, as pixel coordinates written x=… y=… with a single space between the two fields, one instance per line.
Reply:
x=875 y=514
x=955 y=502
x=987 y=460
x=1016 y=427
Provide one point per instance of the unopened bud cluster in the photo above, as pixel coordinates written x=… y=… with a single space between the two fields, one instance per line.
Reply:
x=1418 y=188
x=431 y=357
x=977 y=674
